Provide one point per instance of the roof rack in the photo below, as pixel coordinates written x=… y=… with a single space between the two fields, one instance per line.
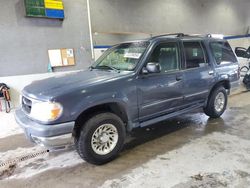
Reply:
x=199 y=35
x=183 y=35
x=170 y=34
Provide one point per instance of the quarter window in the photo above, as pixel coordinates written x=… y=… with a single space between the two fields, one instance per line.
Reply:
x=222 y=52
x=195 y=56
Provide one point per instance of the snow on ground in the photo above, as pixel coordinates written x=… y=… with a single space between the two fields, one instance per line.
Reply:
x=39 y=164
x=19 y=152
x=216 y=153
x=8 y=125
x=30 y=167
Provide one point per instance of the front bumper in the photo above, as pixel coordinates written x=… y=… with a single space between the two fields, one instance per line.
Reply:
x=51 y=136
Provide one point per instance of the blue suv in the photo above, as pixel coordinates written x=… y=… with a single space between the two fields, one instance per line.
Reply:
x=133 y=84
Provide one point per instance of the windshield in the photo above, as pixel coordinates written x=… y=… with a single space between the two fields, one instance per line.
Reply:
x=121 y=57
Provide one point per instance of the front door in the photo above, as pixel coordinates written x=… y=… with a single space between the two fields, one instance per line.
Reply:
x=161 y=93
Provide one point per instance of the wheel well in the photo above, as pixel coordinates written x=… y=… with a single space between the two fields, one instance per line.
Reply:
x=224 y=83
x=107 y=107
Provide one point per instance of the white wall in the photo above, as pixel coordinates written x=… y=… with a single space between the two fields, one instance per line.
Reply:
x=17 y=83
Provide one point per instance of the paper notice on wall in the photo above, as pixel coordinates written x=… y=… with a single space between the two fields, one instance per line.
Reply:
x=132 y=55
x=70 y=53
x=65 y=61
x=55 y=58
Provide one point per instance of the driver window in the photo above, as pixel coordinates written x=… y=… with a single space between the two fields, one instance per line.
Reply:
x=167 y=56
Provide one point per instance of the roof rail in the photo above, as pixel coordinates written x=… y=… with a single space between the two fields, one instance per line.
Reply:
x=207 y=35
x=183 y=35
x=199 y=35
x=170 y=34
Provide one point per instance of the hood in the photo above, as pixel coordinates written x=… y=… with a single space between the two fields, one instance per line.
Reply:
x=51 y=87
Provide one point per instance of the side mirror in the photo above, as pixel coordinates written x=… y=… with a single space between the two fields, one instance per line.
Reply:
x=242 y=52
x=151 y=68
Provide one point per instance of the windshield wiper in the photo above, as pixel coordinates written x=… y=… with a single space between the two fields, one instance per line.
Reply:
x=109 y=67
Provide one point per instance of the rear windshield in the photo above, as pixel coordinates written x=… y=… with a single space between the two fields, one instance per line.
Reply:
x=222 y=52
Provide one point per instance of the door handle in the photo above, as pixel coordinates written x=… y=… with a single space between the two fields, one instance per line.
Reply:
x=211 y=72
x=179 y=77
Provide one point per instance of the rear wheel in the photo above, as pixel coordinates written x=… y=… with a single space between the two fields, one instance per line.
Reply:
x=217 y=103
x=101 y=138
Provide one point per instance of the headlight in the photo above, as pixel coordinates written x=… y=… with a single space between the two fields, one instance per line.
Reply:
x=46 y=111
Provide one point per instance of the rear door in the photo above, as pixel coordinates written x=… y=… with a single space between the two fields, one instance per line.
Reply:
x=198 y=73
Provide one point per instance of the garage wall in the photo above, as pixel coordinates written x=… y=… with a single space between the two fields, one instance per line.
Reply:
x=248 y=19
x=168 y=16
x=111 y=39
x=24 y=41
x=241 y=42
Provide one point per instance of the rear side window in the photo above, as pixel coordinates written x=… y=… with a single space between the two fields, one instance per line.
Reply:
x=222 y=52
x=195 y=55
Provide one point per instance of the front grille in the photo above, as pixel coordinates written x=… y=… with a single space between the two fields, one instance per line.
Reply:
x=26 y=105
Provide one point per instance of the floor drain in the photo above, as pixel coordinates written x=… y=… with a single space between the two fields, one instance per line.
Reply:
x=23 y=158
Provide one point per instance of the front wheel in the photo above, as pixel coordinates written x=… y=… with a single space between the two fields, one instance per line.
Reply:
x=217 y=103
x=101 y=138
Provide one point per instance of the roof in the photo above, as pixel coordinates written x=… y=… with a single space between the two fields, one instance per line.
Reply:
x=181 y=36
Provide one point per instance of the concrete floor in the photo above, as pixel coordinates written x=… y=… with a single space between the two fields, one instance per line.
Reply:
x=187 y=151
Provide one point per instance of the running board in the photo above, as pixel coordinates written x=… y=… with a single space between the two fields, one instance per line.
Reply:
x=167 y=116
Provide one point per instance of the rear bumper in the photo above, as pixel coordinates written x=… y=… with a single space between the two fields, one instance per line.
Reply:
x=51 y=136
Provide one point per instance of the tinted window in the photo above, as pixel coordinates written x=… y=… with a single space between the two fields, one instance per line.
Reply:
x=195 y=56
x=167 y=56
x=222 y=52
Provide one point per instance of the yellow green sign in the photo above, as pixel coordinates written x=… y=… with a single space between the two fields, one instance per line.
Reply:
x=45 y=8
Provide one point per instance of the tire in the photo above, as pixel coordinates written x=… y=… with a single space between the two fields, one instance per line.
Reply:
x=101 y=138
x=213 y=109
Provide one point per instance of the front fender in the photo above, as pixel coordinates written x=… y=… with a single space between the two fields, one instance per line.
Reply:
x=100 y=99
x=123 y=93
